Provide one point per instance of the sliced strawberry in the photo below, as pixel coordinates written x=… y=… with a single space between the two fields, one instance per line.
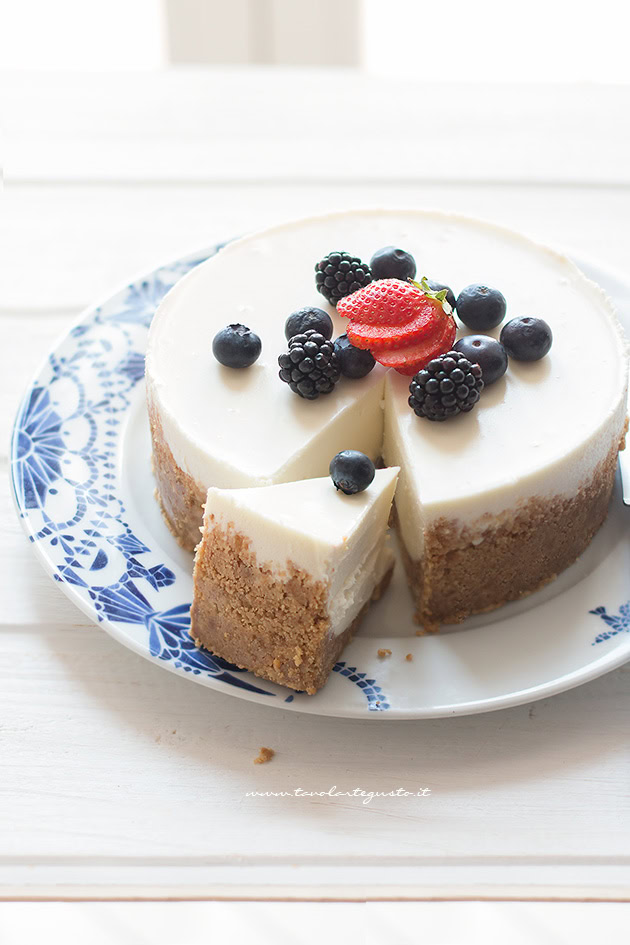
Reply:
x=425 y=323
x=384 y=302
x=411 y=358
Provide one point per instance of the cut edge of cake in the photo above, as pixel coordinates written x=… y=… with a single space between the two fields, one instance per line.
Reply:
x=284 y=574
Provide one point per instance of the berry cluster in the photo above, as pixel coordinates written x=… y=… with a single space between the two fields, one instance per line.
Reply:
x=448 y=385
x=310 y=366
x=400 y=323
x=403 y=324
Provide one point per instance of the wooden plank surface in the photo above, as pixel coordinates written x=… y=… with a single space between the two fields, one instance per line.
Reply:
x=116 y=776
x=233 y=923
x=303 y=125
x=130 y=775
x=62 y=246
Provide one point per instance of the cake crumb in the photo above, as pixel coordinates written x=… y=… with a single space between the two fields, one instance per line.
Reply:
x=265 y=755
x=409 y=657
x=383 y=653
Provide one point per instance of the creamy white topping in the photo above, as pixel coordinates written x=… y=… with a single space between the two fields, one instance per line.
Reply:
x=541 y=430
x=234 y=428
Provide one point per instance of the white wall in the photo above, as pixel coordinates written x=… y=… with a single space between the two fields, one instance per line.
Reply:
x=489 y=40
x=498 y=40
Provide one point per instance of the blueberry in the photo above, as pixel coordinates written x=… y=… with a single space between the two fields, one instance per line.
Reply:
x=438 y=286
x=489 y=354
x=480 y=307
x=306 y=318
x=354 y=362
x=392 y=263
x=526 y=339
x=351 y=471
x=236 y=346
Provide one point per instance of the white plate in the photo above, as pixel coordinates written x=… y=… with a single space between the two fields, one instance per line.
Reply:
x=84 y=490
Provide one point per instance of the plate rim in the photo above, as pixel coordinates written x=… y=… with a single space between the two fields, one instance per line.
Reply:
x=591 y=671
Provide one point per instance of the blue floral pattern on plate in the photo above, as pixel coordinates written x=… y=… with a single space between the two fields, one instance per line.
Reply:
x=618 y=623
x=64 y=471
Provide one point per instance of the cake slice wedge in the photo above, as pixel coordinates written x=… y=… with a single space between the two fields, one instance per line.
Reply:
x=284 y=574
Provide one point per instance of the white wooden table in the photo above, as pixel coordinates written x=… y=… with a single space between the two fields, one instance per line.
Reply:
x=118 y=779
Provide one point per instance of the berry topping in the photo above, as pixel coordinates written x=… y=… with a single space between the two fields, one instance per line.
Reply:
x=489 y=354
x=480 y=307
x=392 y=263
x=391 y=302
x=236 y=346
x=353 y=362
x=449 y=385
x=310 y=366
x=526 y=339
x=411 y=358
x=390 y=318
x=308 y=318
x=351 y=471
x=438 y=287
x=339 y=274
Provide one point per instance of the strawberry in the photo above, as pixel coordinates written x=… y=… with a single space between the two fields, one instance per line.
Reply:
x=384 y=302
x=409 y=359
x=381 y=337
x=403 y=324
x=392 y=302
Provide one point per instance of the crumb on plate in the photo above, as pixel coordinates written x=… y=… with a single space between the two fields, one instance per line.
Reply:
x=409 y=657
x=383 y=653
x=265 y=755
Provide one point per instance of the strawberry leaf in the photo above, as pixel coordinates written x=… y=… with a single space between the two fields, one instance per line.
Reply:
x=424 y=287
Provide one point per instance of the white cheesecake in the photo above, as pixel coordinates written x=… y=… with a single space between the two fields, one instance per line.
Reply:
x=490 y=504
x=284 y=573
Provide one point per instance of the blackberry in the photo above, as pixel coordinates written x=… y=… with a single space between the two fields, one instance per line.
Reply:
x=448 y=385
x=339 y=274
x=310 y=366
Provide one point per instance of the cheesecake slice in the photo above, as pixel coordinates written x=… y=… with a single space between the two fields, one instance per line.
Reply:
x=284 y=574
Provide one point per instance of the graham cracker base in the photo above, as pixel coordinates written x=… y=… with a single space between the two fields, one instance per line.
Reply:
x=460 y=576
x=180 y=499
x=277 y=629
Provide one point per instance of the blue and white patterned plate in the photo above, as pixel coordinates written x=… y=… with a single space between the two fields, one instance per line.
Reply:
x=84 y=491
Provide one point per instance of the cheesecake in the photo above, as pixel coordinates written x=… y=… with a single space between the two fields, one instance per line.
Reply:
x=284 y=574
x=489 y=505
